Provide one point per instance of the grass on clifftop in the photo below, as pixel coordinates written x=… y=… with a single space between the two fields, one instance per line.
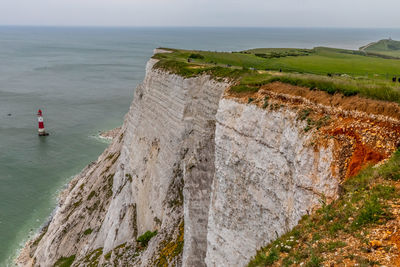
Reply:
x=340 y=231
x=386 y=47
x=327 y=69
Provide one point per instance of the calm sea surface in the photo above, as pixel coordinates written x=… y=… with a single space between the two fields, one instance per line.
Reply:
x=83 y=79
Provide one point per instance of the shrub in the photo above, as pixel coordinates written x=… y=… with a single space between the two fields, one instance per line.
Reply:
x=145 y=238
x=88 y=231
x=196 y=56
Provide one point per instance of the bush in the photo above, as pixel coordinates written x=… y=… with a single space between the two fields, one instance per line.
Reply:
x=88 y=231
x=145 y=238
x=196 y=56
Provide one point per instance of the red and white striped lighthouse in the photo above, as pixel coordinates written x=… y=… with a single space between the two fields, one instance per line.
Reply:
x=41 y=130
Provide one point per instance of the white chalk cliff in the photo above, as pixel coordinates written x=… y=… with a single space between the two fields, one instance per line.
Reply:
x=224 y=176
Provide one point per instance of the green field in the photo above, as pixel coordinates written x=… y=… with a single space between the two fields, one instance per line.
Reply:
x=329 y=69
x=386 y=47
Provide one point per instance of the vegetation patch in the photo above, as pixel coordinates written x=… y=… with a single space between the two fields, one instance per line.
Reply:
x=171 y=248
x=64 y=261
x=40 y=237
x=279 y=52
x=145 y=238
x=194 y=56
x=242 y=88
x=322 y=236
x=93 y=207
x=88 y=231
x=116 y=157
x=129 y=176
x=91 y=195
x=391 y=170
x=77 y=204
x=110 y=156
x=92 y=258
x=108 y=255
x=108 y=187
x=323 y=85
x=265 y=105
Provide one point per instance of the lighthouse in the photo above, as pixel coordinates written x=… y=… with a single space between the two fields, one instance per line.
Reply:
x=41 y=130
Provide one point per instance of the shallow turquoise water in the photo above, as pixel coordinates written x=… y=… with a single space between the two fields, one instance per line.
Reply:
x=83 y=79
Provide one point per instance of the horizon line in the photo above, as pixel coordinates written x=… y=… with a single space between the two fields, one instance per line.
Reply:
x=172 y=26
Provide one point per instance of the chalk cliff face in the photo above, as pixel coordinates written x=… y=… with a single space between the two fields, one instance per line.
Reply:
x=267 y=177
x=215 y=176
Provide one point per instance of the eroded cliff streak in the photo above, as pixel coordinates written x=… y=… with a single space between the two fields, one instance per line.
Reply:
x=217 y=175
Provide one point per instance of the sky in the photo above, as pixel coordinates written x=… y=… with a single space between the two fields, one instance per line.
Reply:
x=223 y=13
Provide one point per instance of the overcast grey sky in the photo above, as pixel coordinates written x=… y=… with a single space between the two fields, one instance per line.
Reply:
x=264 y=13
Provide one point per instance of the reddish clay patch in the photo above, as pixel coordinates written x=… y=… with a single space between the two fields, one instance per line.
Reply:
x=362 y=155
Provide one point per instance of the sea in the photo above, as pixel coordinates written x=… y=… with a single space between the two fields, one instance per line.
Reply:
x=83 y=79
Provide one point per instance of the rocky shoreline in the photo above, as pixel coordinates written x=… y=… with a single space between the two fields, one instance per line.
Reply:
x=110 y=134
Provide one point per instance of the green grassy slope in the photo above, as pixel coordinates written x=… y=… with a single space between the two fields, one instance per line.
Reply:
x=385 y=47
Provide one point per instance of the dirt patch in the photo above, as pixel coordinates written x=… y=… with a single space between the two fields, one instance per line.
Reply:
x=395 y=239
x=352 y=103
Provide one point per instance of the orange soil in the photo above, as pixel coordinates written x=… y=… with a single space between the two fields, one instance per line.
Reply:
x=396 y=240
